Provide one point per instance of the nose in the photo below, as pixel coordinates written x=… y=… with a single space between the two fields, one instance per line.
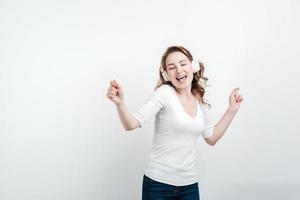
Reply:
x=178 y=69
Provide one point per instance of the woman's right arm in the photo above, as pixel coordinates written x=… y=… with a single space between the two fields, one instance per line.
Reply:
x=128 y=120
x=151 y=106
x=115 y=94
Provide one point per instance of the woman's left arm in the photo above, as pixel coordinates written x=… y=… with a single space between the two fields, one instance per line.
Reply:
x=235 y=100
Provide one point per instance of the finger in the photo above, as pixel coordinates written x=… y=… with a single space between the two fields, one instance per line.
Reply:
x=114 y=89
x=114 y=85
x=112 y=94
x=117 y=84
x=234 y=91
x=240 y=98
x=109 y=95
x=112 y=82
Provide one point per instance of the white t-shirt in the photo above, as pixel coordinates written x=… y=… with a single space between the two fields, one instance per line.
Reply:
x=172 y=158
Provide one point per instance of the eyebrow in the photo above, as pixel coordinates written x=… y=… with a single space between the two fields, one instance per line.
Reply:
x=179 y=62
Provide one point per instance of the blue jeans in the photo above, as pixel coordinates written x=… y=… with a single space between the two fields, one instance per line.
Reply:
x=154 y=190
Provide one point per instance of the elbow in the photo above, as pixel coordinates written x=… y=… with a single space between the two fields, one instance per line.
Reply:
x=131 y=127
x=212 y=143
x=128 y=129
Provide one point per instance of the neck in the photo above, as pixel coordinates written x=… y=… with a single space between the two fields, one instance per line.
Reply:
x=186 y=93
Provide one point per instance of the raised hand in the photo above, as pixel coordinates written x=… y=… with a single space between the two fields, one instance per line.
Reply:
x=235 y=100
x=115 y=92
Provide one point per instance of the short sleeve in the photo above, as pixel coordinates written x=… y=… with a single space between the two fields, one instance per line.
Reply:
x=208 y=124
x=154 y=103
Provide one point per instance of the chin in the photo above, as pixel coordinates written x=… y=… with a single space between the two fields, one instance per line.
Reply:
x=183 y=85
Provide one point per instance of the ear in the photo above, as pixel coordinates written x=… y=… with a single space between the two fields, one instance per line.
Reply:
x=195 y=66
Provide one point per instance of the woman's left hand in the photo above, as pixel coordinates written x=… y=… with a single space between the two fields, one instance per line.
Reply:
x=235 y=100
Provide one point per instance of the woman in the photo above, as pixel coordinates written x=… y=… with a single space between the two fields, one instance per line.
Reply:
x=181 y=116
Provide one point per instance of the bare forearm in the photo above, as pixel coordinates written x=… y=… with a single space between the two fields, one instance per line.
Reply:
x=127 y=118
x=223 y=124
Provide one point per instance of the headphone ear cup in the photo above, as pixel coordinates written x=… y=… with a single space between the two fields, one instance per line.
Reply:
x=195 y=65
x=165 y=76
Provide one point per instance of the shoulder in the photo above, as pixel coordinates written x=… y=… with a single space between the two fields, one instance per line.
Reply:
x=164 y=87
x=205 y=107
x=163 y=90
x=162 y=93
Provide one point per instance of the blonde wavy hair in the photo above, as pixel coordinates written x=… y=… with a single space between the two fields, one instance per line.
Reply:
x=199 y=80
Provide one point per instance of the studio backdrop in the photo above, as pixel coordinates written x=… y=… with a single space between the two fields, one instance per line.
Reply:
x=61 y=137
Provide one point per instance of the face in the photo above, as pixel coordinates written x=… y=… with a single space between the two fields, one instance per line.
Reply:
x=178 y=65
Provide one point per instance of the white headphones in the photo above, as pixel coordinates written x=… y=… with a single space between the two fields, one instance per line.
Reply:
x=195 y=66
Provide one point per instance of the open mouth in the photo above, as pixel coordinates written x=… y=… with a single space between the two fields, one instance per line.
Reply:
x=181 y=79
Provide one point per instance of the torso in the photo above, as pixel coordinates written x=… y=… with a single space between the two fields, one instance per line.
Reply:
x=176 y=132
x=189 y=107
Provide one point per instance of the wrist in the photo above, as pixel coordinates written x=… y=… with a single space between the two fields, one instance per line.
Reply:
x=120 y=104
x=231 y=110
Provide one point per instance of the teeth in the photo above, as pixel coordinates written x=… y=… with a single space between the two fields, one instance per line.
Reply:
x=181 y=79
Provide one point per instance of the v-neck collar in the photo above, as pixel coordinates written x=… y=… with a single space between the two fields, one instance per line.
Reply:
x=182 y=108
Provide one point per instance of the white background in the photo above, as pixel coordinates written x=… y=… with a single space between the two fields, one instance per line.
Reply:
x=61 y=138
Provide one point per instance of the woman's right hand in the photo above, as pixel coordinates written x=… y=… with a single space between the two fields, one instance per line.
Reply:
x=115 y=92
